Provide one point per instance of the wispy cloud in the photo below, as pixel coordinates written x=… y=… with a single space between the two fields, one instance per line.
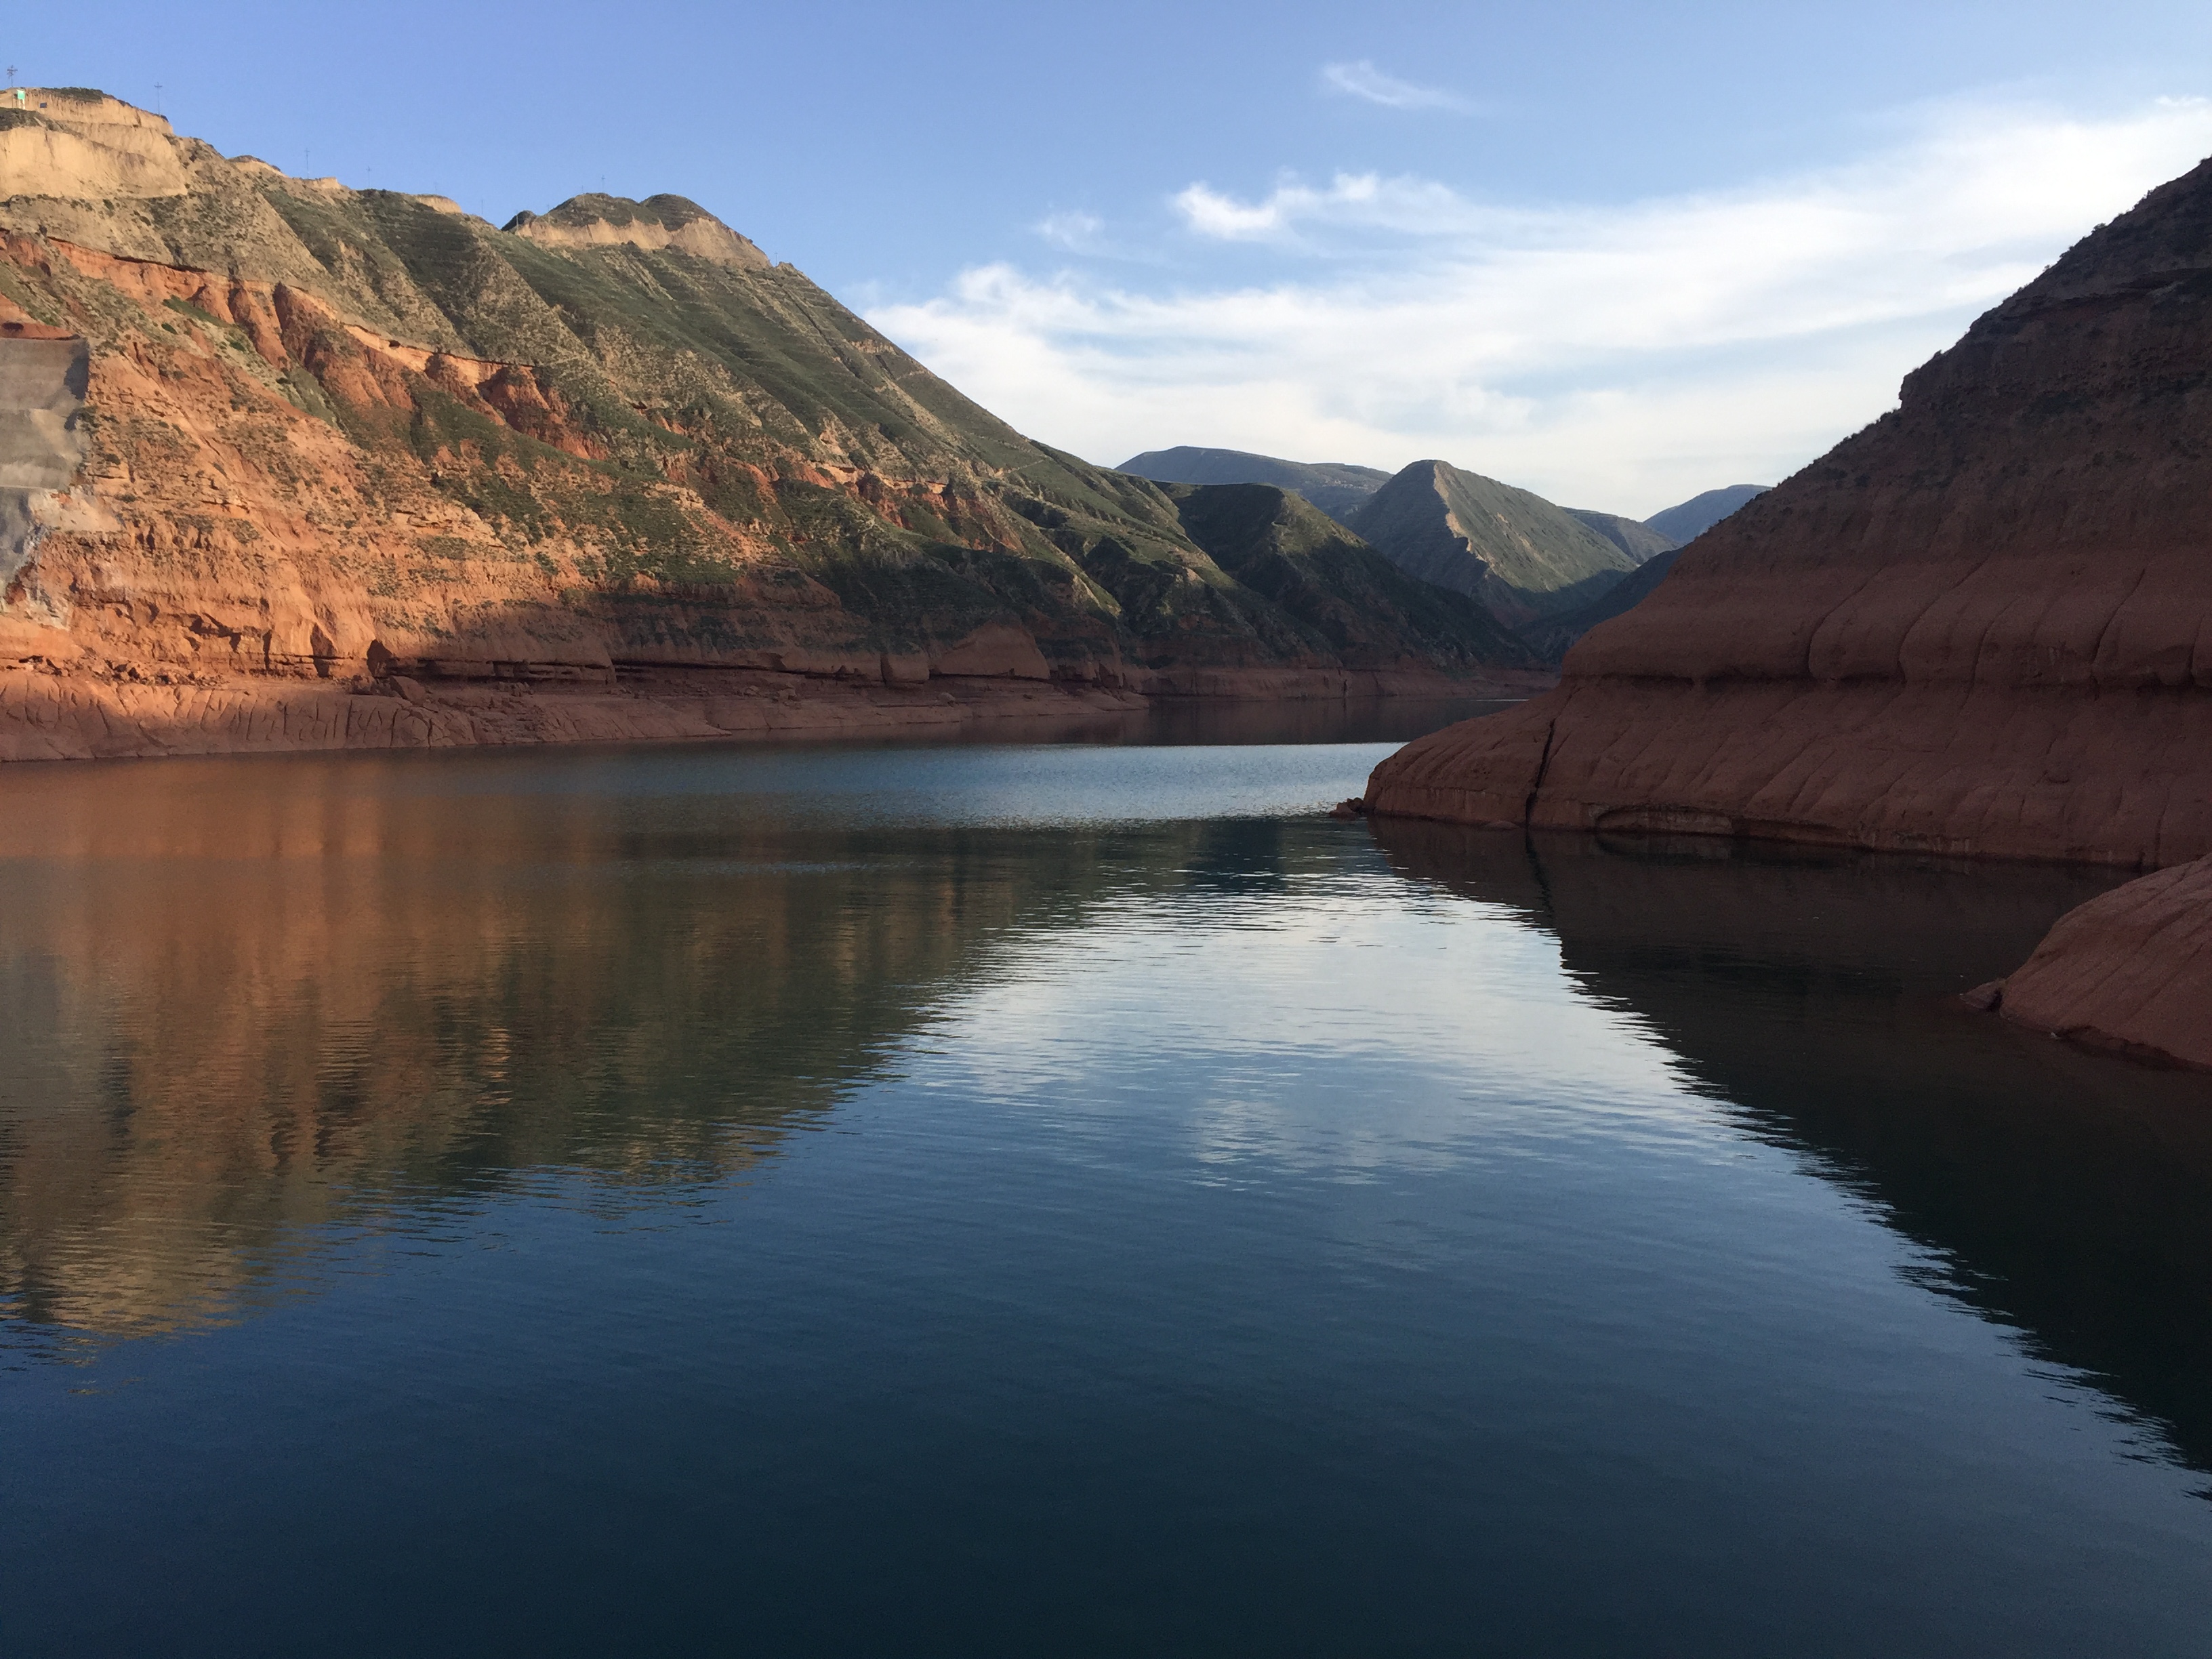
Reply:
x=1620 y=357
x=1075 y=230
x=1364 y=81
x=1355 y=199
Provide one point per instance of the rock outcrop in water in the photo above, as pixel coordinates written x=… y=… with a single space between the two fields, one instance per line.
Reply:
x=2130 y=971
x=607 y=473
x=1979 y=626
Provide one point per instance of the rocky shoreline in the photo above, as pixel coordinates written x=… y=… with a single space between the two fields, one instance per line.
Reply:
x=1982 y=626
x=63 y=716
x=2125 y=972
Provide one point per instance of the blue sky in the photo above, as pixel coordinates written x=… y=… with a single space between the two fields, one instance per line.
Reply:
x=1617 y=253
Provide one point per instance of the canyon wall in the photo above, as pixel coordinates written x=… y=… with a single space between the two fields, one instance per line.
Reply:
x=1978 y=627
x=611 y=469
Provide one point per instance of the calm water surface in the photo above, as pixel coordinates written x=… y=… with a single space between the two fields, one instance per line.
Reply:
x=1056 y=1198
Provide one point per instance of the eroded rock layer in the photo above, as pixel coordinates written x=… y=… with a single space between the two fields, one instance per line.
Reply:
x=2129 y=970
x=1979 y=626
x=263 y=439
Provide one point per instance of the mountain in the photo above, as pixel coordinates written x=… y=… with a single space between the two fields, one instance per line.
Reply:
x=1335 y=487
x=1976 y=627
x=657 y=223
x=357 y=467
x=1690 y=520
x=1639 y=541
x=1551 y=637
x=1652 y=548
x=1371 y=614
x=1342 y=490
x=1521 y=556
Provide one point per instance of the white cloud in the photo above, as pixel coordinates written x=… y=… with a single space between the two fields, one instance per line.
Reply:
x=1620 y=357
x=1362 y=80
x=1359 y=200
x=1077 y=231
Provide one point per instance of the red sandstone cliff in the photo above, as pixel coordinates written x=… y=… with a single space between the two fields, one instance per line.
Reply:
x=1979 y=626
x=269 y=447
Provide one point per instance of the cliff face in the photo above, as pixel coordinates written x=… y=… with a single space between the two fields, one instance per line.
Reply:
x=1979 y=626
x=326 y=441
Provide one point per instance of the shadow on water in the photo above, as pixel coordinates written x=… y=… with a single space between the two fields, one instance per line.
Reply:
x=2066 y=1193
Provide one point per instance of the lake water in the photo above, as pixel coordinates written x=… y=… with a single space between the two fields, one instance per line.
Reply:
x=1066 y=1199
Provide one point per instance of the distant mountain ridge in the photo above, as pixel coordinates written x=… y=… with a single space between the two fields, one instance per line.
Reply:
x=1517 y=553
x=1337 y=488
x=1372 y=614
x=1690 y=520
x=1551 y=637
x=1340 y=488
x=1636 y=539
x=1541 y=570
x=1520 y=555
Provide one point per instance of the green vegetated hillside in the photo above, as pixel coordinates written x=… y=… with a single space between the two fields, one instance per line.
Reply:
x=1337 y=488
x=778 y=411
x=1636 y=539
x=1279 y=544
x=1550 y=637
x=1543 y=571
x=613 y=432
x=1514 y=550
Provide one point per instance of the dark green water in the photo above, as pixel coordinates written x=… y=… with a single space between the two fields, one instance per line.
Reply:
x=1056 y=1200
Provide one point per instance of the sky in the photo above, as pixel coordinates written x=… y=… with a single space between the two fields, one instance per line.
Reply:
x=1613 y=253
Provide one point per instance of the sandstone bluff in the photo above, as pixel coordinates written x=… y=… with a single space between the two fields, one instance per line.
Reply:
x=286 y=464
x=1978 y=627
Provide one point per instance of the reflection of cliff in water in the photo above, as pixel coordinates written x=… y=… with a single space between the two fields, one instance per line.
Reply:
x=2068 y=1194
x=235 y=1015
